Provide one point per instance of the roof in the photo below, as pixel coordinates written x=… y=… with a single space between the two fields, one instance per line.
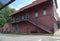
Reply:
x=29 y=6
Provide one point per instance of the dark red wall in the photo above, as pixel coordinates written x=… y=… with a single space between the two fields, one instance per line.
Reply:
x=47 y=20
x=27 y=27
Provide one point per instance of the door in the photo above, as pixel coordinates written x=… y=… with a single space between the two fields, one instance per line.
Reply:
x=16 y=28
x=55 y=27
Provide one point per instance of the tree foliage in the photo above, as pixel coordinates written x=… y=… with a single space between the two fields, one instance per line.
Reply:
x=2 y=22
x=4 y=15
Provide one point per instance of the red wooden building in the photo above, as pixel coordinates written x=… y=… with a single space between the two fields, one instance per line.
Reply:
x=38 y=17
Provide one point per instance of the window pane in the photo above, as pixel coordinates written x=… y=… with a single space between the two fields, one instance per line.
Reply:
x=44 y=11
x=36 y=14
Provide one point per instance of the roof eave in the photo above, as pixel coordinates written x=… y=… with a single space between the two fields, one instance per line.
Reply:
x=23 y=9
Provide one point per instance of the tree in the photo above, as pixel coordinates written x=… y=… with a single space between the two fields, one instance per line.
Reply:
x=6 y=11
x=2 y=22
x=4 y=15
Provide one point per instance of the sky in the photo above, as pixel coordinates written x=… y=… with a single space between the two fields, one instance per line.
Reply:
x=20 y=3
x=58 y=10
x=4 y=2
x=17 y=4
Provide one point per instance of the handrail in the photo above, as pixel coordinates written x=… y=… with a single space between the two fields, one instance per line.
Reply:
x=14 y=21
x=32 y=20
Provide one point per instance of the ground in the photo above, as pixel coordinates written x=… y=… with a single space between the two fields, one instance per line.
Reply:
x=14 y=37
x=57 y=33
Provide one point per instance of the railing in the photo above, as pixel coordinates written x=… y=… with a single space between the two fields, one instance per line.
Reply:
x=33 y=21
x=19 y=20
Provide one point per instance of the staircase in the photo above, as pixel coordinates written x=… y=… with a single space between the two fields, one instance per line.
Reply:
x=39 y=25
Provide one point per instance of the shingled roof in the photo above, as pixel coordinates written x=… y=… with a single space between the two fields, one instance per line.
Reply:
x=29 y=6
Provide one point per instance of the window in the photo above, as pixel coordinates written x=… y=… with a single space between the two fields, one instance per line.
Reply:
x=44 y=11
x=26 y=16
x=36 y=14
x=13 y=19
x=22 y=17
x=17 y=18
x=55 y=26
